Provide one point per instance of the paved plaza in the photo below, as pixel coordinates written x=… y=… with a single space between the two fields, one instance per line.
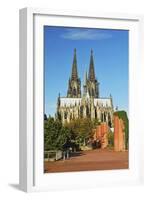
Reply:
x=90 y=160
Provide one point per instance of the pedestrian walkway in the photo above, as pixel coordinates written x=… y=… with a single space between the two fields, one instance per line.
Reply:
x=90 y=160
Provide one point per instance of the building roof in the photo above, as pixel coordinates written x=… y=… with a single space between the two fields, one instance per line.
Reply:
x=69 y=101
x=64 y=101
x=103 y=102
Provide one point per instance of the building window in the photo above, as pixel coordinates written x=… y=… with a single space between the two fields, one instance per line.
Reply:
x=81 y=111
x=101 y=117
x=95 y=113
x=74 y=91
x=104 y=117
x=109 y=120
x=65 y=115
x=87 y=111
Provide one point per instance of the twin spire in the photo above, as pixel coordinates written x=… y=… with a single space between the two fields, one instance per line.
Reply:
x=74 y=74
x=90 y=82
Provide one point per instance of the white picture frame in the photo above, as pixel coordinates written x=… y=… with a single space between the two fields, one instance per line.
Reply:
x=32 y=177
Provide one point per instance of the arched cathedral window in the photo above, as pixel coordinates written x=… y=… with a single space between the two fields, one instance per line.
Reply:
x=81 y=111
x=70 y=116
x=74 y=91
x=92 y=92
x=109 y=120
x=87 y=111
x=65 y=115
x=95 y=113
x=104 y=117
x=101 y=117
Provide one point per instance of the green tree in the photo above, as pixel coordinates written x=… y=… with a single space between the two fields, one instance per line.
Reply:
x=81 y=129
x=55 y=135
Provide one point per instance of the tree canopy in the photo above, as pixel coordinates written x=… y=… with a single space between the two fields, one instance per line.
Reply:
x=81 y=129
x=55 y=135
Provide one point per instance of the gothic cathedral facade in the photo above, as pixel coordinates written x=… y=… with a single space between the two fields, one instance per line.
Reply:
x=86 y=103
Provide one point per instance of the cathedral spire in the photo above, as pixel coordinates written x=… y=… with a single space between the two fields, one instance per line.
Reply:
x=91 y=68
x=74 y=84
x=74 y=74
x=92 y=83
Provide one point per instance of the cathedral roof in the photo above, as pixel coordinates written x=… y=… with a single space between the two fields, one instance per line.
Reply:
x=69 y=101
x=64 y=101
x=105 y=102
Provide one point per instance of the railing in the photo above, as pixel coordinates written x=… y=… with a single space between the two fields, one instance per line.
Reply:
x=52 y=155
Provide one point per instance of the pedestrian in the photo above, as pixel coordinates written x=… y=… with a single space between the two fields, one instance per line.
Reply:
x=67 y=153
x=64 y=154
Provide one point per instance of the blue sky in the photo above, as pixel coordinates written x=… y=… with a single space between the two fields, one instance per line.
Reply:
x=110 y=50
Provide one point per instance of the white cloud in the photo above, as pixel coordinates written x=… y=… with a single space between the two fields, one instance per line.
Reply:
x=84 y=34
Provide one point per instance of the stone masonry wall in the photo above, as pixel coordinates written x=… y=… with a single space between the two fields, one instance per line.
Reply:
x=101 y=134
x=119 y=134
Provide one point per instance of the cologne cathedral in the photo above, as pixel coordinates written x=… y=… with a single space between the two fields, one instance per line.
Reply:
x=86 y=103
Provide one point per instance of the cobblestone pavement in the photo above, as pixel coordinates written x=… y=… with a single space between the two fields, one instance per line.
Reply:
x=90 y=160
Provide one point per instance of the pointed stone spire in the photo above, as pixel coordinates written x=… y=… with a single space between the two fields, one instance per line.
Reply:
x=92 y=83
x=74 y=84
x=85 y=78
x=74 y=74
x=91 y=68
